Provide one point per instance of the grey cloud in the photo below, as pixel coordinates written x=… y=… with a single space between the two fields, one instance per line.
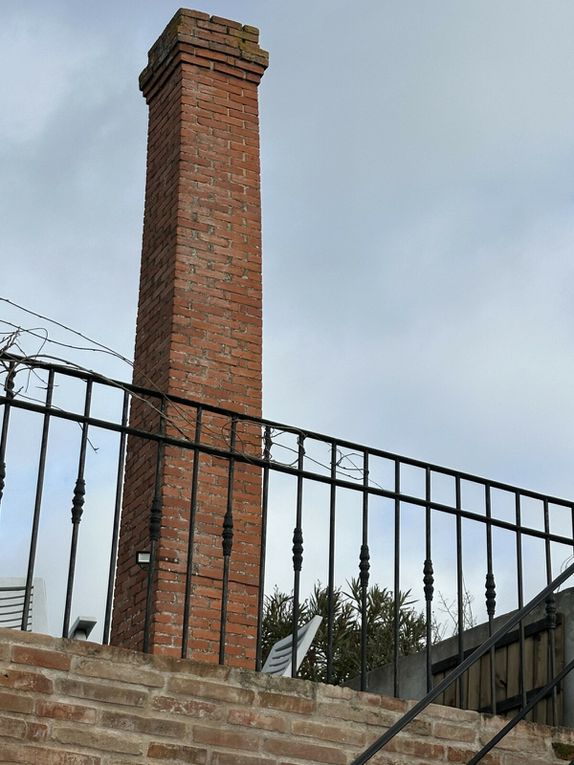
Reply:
x=417 y=165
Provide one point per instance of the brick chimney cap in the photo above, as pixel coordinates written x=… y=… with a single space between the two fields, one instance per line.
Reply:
x=191 y=30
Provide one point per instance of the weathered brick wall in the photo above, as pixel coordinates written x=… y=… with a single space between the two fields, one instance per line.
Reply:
x=71 y=703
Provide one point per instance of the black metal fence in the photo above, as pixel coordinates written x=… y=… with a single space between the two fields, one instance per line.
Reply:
x=548 y=690
x=457 y=542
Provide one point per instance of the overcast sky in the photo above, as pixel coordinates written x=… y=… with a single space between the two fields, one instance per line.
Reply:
x=418 y=211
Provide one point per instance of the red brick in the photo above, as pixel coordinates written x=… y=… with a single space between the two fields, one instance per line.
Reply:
x=227 y=739
x=111 y=694
x=225 y=693
x=456 y=754
x=453 y=732
x=120 y=672
x=252 y=718
x=32 y=755
x=338 y=733
x=98 y=739
x=12 y=727
x=16 y=702
x=227 y=22
x=355 y=713
x=305 y=751
x=407 y=745
x=36 y=731
x=297 y=704
x=236 y=758
x=177 y=752
x=39 y=658
x=60 y=711
x=137 y=724
x=188 y=707
x=25 y=681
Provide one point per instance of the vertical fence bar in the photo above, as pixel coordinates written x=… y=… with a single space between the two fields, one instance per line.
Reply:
x=459 y=590
x=9 y=395
x=396 y=579
x=116 y=524
x=550 y=614
x=428 y=578
x=520 y=584
x=227 y=541
x=331 y=575
x=37 y=503
x=267 y=441
x=547 y=551
x=550 y=604
x=364 y=566
x=191 y=535
x=77 y=511
x=490 y=594
x=297 y=551
x=154 y=530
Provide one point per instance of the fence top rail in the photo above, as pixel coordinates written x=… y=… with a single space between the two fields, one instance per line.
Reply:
x=15 y=361
x=266 y=462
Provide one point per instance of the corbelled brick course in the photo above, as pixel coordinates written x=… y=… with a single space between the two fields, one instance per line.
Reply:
x=99 y=705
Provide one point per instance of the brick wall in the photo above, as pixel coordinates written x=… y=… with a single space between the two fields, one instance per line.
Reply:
x=199 y=331
x=70 y=703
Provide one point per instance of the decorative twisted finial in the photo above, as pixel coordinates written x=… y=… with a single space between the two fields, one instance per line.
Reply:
x=490 y=593
x=78 y=500
x=227 y=534
x=297 y=549
x=428 y=580
x=364 y=566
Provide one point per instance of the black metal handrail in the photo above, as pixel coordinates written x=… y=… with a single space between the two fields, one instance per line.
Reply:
x=343 y=466
x=536 y=699
x=464 y=666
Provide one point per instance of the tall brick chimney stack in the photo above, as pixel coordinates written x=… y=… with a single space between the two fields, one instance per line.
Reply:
x=198 y=329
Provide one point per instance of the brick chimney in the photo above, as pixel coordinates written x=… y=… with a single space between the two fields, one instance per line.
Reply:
x=198 y=333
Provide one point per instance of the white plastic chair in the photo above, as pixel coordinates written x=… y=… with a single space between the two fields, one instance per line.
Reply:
x=279 y=659
x=12 y=592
